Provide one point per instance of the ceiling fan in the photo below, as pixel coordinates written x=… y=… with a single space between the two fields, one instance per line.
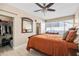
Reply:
x=45 y=7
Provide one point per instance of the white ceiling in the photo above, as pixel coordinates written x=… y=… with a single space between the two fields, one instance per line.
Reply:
x=62 y=9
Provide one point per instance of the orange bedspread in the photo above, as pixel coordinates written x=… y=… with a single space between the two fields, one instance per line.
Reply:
x=51 y=44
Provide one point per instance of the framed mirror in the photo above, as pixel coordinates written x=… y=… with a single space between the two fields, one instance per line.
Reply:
x=27 y=25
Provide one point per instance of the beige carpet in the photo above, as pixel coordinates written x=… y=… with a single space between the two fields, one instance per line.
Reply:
x=21 y=51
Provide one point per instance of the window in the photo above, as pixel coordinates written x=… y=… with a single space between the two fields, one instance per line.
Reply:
x=68 y=24
x=59 y=27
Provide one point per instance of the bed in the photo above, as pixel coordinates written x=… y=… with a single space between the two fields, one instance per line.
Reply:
x=51 y=44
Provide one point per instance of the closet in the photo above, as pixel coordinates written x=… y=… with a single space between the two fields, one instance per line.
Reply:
x=6 y=31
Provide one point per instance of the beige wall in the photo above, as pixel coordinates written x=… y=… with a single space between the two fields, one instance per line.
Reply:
x=19 y=38
x=62 y=18
x=77 y=18
x=5 y=18
x=77 y=24
x=43 y=26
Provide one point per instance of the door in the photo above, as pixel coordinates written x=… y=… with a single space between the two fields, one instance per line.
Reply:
x=38 y=28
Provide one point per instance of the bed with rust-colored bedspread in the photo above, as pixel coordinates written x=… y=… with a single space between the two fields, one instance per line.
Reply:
x=51 y=44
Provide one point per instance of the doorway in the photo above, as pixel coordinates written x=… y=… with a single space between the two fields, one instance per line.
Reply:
x=38 y=28
x=6 y=32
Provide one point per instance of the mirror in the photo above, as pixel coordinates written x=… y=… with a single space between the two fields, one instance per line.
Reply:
x=27 y=25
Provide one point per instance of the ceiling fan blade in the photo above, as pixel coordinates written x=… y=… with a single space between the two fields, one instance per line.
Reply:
x=51 y=9
x=39 y=5
x=49 y=5
x=37 y=10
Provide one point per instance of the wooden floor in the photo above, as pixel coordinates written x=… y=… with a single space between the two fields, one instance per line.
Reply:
x=7 y=51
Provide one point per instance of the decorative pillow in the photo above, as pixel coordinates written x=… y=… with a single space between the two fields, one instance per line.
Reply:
x=65 y=35
x=71 y=35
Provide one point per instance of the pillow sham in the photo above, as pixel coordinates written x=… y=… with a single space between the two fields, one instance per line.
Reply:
x=65 y=35
x=71 y=35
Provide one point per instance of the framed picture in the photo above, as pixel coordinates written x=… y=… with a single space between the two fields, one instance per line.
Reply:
x=27 y=25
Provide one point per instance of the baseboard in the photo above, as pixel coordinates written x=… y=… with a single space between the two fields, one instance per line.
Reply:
x=19 y=46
